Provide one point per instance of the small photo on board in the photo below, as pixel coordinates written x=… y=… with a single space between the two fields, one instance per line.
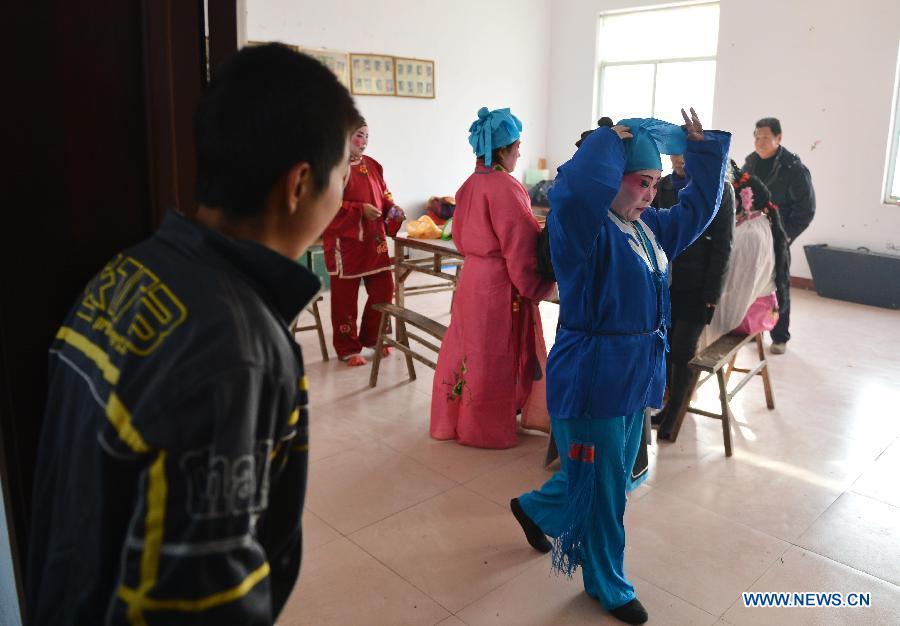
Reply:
x=422 y=71
x=373 y=74
x=335 y=60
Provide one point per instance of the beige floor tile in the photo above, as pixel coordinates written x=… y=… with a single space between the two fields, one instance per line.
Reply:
x=858 y=410
x=316 y=533
x=456 y=547
x=781 y=500
x=693 y=553
x=880 y=480
x=331 y=432
x=667 y=460
x=860 y=532
x=538 y=597
x=801 y=571
x=639 y=493
x=341 y=584
x=513 y=479
x=356 y=488
x=463 y=463
x=836 y=461
x=452 y=621
x=347 y=389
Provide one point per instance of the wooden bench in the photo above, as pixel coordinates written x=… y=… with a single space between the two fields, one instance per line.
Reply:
x=713 y=360
x=313 y=308
x=404 y=317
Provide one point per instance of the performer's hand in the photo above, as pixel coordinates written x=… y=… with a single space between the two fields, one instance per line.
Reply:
x=370 y=211
x=692 y=125
x=622 y=131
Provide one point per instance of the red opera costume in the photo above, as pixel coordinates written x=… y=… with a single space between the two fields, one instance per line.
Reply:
x=356 y=248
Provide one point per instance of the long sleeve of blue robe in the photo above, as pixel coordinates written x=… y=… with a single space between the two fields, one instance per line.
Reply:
x=608 y=359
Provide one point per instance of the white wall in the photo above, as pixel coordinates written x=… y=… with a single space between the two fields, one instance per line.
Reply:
x=493 y=54
x=829 y=70
x=825 y=69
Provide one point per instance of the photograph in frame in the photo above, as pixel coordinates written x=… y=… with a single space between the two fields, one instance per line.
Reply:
x=415 y=78
x=338 y=61
x=372 y=75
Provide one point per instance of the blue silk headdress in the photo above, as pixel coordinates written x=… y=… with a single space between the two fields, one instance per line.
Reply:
x=652 y=137
x=492 y=130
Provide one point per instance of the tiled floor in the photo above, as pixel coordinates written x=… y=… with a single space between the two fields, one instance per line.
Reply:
x=401 y=529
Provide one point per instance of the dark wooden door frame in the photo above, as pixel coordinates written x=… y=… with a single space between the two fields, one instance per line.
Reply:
x=81 y=196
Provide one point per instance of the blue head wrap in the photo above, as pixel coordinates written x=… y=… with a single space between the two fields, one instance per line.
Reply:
x=652 y=137
x=492 y=130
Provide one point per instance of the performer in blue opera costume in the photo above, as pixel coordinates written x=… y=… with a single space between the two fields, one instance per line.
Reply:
x=610 y=254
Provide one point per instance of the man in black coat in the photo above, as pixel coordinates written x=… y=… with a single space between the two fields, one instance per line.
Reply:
x=697 y=277
x=790 y=184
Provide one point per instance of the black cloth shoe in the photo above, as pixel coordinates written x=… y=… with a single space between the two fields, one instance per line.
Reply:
x=533 y=533
x=631 y=613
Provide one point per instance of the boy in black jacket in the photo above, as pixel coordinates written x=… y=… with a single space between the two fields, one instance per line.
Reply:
x=172 y=465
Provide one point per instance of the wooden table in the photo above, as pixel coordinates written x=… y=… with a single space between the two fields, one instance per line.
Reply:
x=443 y=253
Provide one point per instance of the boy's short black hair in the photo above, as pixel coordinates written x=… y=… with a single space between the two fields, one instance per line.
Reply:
x=267 y=109
x=771 y=123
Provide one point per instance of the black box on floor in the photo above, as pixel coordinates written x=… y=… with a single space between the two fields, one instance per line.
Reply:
x=855 y=275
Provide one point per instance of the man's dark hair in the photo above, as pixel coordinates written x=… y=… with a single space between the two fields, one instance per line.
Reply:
x=267 y=109
x=771 y=123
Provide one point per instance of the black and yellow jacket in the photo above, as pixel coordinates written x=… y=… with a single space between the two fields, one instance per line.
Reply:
x=173 y=458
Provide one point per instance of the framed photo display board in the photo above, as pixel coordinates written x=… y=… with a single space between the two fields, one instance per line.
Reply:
x=335 y=60
x=415 y=78
x=371 y=75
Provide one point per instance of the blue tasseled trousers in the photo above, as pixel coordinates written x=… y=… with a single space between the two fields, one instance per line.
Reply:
x=582 y=505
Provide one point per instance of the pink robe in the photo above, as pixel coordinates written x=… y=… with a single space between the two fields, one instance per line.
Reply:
x=488 y=358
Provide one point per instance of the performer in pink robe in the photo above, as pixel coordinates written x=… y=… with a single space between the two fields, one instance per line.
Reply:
x=488 y=359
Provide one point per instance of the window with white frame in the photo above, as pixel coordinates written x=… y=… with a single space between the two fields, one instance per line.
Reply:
x=892 y=179
x=654 y=62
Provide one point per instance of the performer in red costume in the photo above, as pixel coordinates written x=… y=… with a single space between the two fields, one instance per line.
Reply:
x=356 y=248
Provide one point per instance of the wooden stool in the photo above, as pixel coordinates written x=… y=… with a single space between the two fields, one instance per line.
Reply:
x=314 y=309
x=404 y=317
x=713 y=361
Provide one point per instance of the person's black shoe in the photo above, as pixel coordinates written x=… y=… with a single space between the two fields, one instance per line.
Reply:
x=663 y=435
x=631 y=613
x=533 y=533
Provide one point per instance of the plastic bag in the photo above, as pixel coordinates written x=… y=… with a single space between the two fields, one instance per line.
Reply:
x=423 y=228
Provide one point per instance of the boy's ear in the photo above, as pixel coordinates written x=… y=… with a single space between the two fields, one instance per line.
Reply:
x=298 y=186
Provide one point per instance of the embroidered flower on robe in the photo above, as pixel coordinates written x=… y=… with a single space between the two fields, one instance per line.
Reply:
x=459 y=382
